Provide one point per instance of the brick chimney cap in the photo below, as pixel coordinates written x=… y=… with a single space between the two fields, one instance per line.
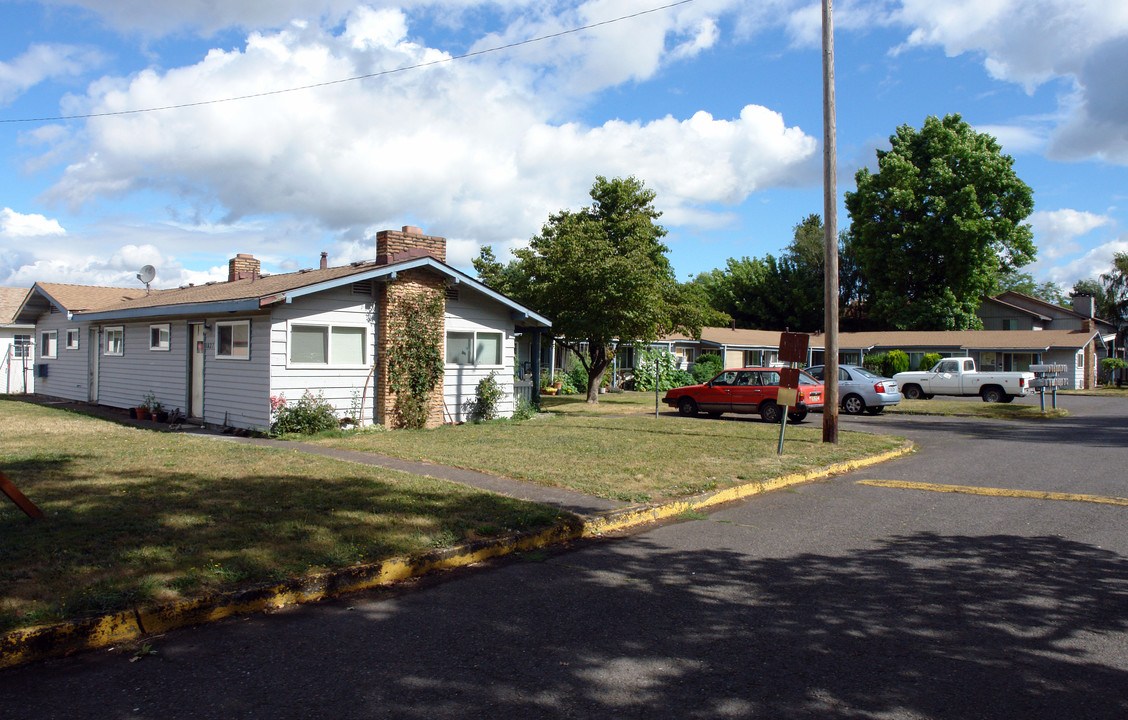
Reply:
x=245 y=255
x=412 y=230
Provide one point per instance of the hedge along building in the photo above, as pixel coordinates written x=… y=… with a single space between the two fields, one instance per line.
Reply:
x=221 y=351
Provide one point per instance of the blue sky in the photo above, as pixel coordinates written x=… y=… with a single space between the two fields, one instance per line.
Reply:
x=715 y=104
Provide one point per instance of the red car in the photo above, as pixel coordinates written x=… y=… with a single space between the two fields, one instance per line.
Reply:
x=748 y=391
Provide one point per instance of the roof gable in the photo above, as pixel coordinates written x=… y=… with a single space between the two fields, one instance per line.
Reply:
x=11 y=299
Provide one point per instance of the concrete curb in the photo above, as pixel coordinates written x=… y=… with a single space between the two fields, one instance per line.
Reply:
x=50 y=641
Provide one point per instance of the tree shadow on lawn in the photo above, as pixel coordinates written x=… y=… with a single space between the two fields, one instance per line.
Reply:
x=941 y=627
x=109 y=543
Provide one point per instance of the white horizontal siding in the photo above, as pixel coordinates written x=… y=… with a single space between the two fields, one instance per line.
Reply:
x=17 y=374
x=338 y=385
x=475 y=312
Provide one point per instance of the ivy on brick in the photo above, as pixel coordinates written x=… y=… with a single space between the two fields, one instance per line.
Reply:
x=415 y=356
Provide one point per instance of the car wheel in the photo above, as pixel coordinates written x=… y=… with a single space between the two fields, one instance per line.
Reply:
x=770 y=412
x=1008 y=398
x=687 y=406
x=993 y=394
x=912 y=392
x=797 y=416
x=853 y=405
x=875 y=410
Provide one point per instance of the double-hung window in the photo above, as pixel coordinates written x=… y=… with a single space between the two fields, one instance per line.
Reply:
x=21 y=345
x=115 y=340
x=337 y=345
x=233 y=340
x=48 y=343
x=159 y=336
x=72 y=338
x=477 y=348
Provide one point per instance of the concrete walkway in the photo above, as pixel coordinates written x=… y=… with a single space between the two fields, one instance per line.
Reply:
x=569 y=500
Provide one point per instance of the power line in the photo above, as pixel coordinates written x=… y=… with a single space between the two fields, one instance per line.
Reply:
x=327 y=83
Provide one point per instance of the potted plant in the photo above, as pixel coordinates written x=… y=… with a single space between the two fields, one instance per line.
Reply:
x=158 y=411
x=144 y=410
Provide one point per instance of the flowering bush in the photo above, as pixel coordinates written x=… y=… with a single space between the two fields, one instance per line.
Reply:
x=310 y=414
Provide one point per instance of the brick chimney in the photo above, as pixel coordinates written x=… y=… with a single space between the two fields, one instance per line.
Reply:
x=241 y=267
x=324 y=260
x=393 y=245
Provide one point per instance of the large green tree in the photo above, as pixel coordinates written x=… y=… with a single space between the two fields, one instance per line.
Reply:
x=601 y=274
x=1110 y=293
x=779 y=292
x=1025 y=283
x=935 y=225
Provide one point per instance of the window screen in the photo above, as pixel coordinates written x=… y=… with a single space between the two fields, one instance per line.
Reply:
x=347 y=345
x=309 y=344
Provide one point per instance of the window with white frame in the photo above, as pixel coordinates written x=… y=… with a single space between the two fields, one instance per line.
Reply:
x=233 y=340
x=48 y=343
x=21 y=346
x=328 y=345
x=159 y=336
x=115 y=340
x=477 y=348
x=72 y=339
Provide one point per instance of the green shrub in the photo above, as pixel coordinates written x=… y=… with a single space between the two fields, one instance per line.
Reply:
x=670 y=376
x=486 y=397
x=707 y=367
x=896 y=361
x=929 y=361
x=887 y=364
x=310 y=414
x=525 y=409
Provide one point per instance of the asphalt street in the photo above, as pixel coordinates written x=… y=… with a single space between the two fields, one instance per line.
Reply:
x=829 y=600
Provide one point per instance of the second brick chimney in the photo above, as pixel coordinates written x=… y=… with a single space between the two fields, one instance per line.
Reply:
x=242 y=267
x=393 y=245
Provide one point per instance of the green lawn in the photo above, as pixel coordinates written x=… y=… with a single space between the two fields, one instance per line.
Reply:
x=136 y=516
x=617 y=449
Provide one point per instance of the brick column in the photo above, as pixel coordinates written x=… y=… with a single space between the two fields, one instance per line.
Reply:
x=412 y=283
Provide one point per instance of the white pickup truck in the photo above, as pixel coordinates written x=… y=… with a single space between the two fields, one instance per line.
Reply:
x=957 y=376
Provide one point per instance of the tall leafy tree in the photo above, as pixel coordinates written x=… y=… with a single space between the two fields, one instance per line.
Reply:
x=779 y=292
x=1115 y=283
x=601 y=274
x=1026 y=284
x=933 y=227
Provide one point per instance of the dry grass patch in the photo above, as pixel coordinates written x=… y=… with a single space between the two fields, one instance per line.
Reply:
x=135 y=516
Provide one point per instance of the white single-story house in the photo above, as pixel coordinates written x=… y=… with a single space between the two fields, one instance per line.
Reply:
x=220 y=352
x=16 y=371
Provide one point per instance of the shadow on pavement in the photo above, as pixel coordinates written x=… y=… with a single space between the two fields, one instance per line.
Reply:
x=919 y=626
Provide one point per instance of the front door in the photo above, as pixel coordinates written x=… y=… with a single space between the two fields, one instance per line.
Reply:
x=196 y=372
x=94 y=353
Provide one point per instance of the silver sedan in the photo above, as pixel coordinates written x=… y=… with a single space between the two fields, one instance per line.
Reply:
x=861 y=390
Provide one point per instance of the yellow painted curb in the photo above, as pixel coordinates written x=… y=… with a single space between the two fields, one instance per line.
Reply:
x=996 y=492
x=39 y=643
x=634 y=516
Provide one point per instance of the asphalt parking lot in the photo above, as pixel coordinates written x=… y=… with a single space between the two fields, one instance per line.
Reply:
x=828 y=600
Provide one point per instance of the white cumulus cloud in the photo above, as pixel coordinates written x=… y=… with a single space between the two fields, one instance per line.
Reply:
x=459 y=147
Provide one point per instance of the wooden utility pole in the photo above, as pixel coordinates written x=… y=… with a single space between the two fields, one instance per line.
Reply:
x=830 y=225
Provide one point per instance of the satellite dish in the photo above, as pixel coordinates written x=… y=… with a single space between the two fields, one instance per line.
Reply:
x=147 y=274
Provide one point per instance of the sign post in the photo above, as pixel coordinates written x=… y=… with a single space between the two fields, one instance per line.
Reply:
x=792 y=350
